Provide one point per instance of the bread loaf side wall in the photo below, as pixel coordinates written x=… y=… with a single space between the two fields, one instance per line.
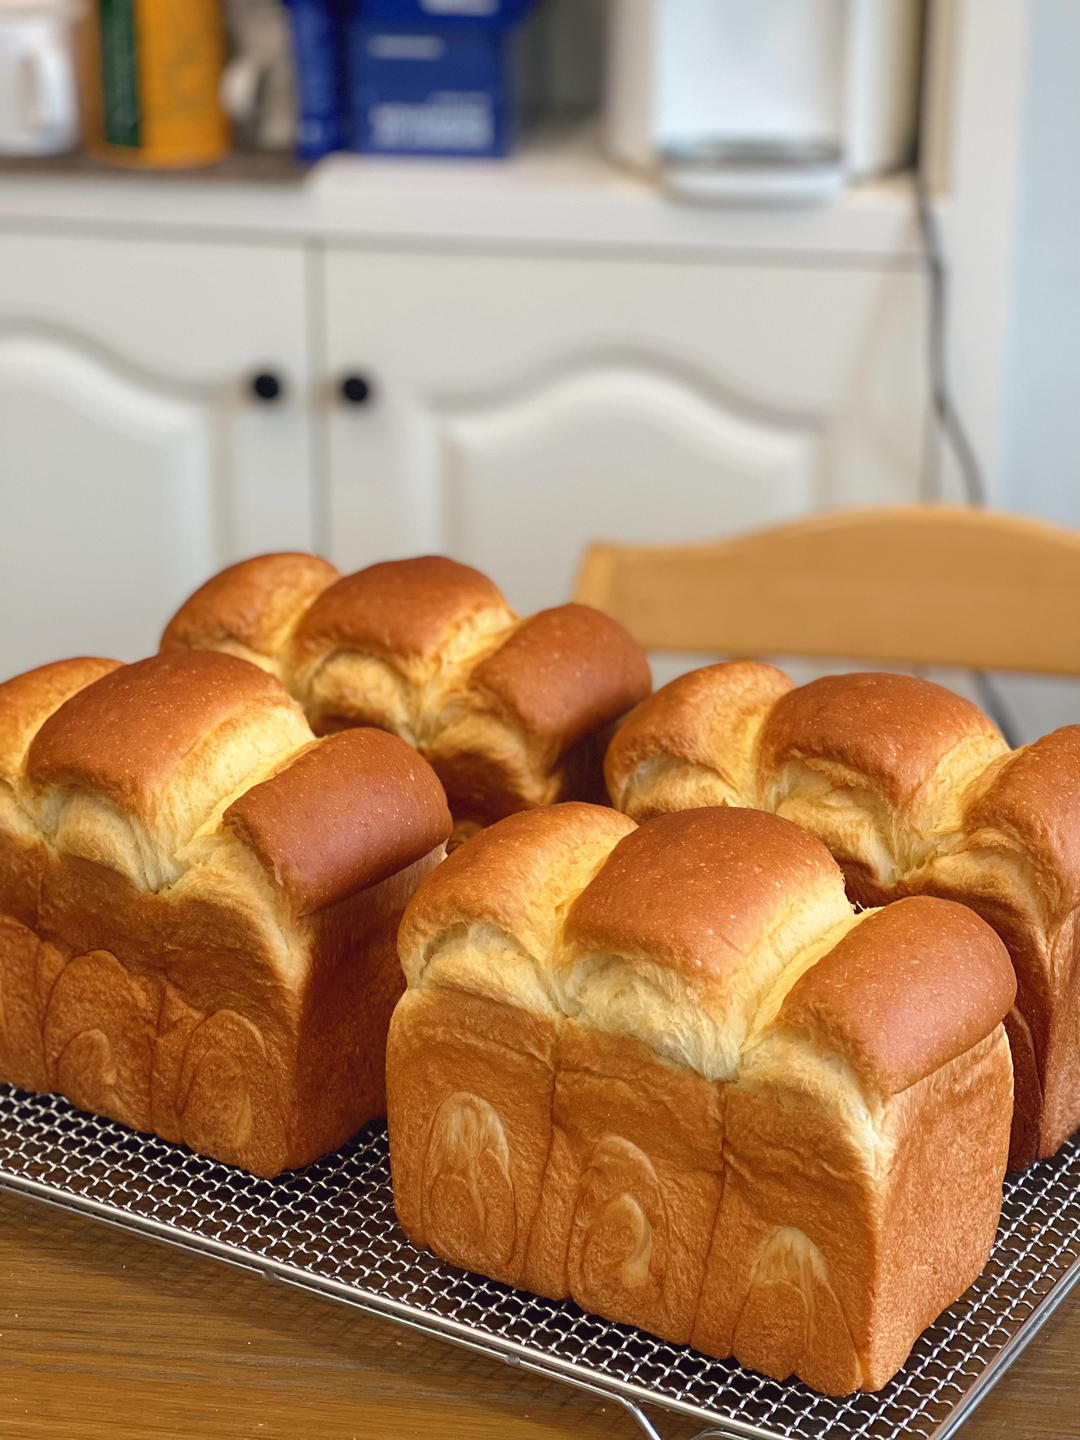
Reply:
x=743 y=1220
x=787 y=1211
x=194 y=1039
x=234 y=994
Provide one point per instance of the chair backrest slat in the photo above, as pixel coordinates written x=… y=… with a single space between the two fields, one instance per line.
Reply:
x=922 y=585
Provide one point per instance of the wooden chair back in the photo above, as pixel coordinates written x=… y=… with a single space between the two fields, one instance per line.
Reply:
x=919 y=585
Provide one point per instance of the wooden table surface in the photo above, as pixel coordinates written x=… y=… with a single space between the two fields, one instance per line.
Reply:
x=107 y=1336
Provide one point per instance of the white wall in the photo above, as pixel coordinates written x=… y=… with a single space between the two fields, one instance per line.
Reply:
x=1041 y=460
x=1004 y=151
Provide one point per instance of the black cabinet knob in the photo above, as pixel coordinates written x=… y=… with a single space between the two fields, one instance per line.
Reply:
x=356 y=389
x=266 y=385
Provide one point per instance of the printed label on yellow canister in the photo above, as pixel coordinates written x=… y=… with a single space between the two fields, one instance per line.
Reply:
x=160 y=64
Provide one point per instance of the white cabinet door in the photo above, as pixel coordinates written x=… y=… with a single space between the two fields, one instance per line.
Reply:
x=519 y=408
x=134 y=456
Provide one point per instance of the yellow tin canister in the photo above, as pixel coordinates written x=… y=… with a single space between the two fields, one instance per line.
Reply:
x=155 y=83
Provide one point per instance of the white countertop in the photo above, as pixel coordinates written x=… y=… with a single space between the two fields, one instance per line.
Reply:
x=558 y=192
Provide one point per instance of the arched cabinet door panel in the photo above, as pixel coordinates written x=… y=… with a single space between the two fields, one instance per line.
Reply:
x=109 y=503
x=136 y=456
x=517 y=408
x=610 y=449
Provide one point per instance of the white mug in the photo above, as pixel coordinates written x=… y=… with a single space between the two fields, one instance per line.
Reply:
x=39 y=85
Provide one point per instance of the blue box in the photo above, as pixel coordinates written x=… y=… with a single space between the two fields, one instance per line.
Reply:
x=421 y=87
x=318 y=30
x=445 y=12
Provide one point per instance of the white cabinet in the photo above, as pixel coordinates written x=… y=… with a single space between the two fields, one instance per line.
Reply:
x=135 y=458
x=520 y=407
x=523 y=397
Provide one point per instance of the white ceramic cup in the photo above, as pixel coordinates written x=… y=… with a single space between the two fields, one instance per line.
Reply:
x=39 y=81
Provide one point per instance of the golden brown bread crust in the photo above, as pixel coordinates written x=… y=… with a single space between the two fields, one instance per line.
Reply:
x=304 y=825
x=1033 y=798
x=198 y=904
x=681 y=717
x=696 y=889
x=733 y=1130
x=399 y=608
x=250 y=609
x=563 y=674
x=25 y=702
x=915 y=793
x=897 y=1007
x=129 y=733
x=530 y=722
x=28 y=699
x=896 y=731
x=511 y=714
x=512 y=876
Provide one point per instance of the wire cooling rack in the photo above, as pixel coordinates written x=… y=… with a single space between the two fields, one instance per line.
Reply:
x=331 y=1229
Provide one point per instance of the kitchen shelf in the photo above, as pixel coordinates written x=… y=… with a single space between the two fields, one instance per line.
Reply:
x=558 y=193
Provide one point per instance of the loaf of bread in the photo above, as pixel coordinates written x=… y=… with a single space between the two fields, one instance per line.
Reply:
x=915 y=792
x=510 y=713
x=199 y=903
x=670 y=1072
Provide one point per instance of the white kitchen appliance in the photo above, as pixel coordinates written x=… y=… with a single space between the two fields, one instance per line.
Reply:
x=762 y=100
x=39 y=76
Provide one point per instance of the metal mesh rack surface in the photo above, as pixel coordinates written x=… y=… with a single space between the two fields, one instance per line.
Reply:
x=331 y=1228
